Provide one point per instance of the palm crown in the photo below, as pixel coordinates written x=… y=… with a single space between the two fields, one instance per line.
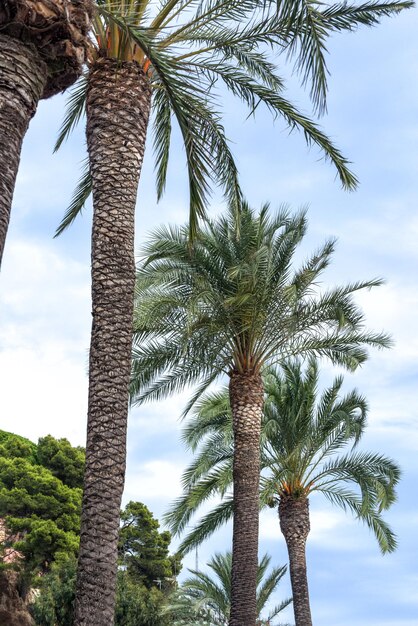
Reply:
x=205 y=597
x=234 y=303
x=188 y=47
x=303 y=438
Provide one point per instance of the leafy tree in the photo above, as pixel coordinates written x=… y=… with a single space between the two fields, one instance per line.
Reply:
x=15 y=446
x=42 y=513
x=144 y=550
x=166 y=60
x=136 y=605
x=303 y=439
x=206 y=599
x=54 y=605
x=64 y=461
x=42 y=49
x=142 y=587
x=233 y=304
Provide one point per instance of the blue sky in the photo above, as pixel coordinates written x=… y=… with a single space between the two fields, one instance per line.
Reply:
x=45 y=303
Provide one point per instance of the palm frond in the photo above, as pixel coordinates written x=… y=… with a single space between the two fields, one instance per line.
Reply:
x=81 y=194
x=308 y=25
x=213 y=520
x=382 y=531
x=254 y=93
x=75 y=109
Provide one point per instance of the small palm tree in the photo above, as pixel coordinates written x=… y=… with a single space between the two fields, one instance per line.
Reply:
x=164 y=61
x=206 y=600
x=302 y=444
x=43 y=45
x=232 y=304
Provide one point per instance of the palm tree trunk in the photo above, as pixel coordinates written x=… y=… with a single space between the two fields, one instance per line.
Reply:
x=23 y=76
x=295 y=526
x=246 y=397
x=118 y=104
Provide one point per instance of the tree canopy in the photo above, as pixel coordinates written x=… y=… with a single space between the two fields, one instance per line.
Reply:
x=146 y=576
x=40 y=497
x=144 y=550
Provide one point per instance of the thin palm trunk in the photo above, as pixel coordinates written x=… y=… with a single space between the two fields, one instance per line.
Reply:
x=295 y=526
x=246 y=397
x=23 y=76
x=118 y=104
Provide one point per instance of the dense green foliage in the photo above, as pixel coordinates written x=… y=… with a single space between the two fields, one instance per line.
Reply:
x=146 y=576
x=135 y=604
x=55 y=602
x=64 y=461
x=144 y=550
x=40 y=497
x=15 y=446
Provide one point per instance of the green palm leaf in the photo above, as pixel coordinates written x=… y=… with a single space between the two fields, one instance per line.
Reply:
x=303 y=435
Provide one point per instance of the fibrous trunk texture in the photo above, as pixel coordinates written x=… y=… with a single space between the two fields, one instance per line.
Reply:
x=118 y=104
x=246 y=397
x=43 y=45
x=23 y=77
x=295 y=526
x=59 y=31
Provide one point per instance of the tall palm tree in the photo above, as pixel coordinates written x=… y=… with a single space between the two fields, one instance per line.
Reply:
x=43 y=46
x=165 y=59
x=206 y=600
x=303 y=438
x=232 y=304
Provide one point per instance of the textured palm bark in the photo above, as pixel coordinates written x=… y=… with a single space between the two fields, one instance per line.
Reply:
x=23 y=76
x=59 y=31
x=118 y=104
x=43 y=45
x=246 y=397
x=295 y=526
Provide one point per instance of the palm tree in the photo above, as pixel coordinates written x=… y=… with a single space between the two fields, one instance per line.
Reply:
x=205 y=600
x=302 y=443
x=231 y=304
x=42 y=49
x=165 y=59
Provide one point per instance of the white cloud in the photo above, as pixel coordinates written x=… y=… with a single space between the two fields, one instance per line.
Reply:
x=158 y=479
x=151 y=419
x=44 y=336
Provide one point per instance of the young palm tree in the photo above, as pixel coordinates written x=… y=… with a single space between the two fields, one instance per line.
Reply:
x=42 y=49
x=231 y=304
x=302 y=443
x=166 y=59
x=206 y=600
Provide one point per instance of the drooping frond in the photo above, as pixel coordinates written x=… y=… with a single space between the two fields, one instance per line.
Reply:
x=209 y=523
x=373 y=520
x=81 y=195
x=162 y=138
x=253 y=94
x=308 y=25
x=187 y=48
x=75 y=109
